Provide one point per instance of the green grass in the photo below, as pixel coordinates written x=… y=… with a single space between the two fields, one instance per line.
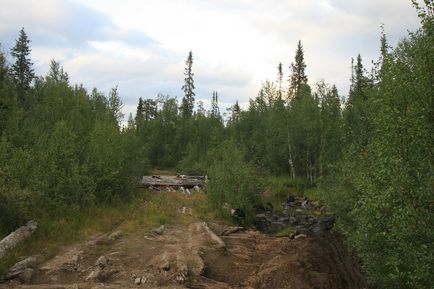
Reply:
x=285 y=231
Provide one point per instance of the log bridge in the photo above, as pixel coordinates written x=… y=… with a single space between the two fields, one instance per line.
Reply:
x=176 y=182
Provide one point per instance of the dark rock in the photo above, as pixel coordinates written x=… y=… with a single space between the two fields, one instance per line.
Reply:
x=238 y=214
x=327 y=223
x=269 y=207
x=290 y=199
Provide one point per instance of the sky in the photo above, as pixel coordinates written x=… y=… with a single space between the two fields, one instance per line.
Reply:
x=141 y=45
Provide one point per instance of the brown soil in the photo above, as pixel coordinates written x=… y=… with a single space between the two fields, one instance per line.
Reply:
x=195 y=256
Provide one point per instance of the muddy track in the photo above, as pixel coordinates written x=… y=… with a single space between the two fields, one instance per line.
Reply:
x=199 y=256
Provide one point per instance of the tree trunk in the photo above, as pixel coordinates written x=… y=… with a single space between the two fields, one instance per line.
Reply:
x=11 y=240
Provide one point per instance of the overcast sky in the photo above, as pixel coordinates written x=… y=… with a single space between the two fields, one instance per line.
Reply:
x=141 y=45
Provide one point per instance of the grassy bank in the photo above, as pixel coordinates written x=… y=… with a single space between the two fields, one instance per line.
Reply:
x=148 y=209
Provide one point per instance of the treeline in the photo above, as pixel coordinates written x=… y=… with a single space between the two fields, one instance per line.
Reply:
x=62 y=149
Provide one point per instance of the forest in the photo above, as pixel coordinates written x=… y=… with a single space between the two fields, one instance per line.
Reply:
x=370 y=157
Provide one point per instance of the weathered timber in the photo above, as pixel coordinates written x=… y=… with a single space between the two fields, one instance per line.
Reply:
x=11 y=240
x=173 y=181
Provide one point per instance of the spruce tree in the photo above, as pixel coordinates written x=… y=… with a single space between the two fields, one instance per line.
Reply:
x=298 y=77
x=22 y=71
x=279 y=80
x=139 y=114
x=187 y=103
x=215 y=112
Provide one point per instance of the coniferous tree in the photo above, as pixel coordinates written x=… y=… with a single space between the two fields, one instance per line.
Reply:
x=22 y=71
x=298 y=77
x=187 y=103
x=215 y=111
x=235 y=113
x=56 y=73
x=279 y=79
x=139 y=114
x=149 y=109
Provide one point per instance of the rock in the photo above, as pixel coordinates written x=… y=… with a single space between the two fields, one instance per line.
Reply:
x=196 y=189
x=115 y=235
x=138 y=280
x=327 y=223
x=181 y=277
x=238 y=214
x=20 y=268
x=290 y=199
x=94 y=275
x=26 y=275
x=299 y=236
x=231 y=230
x=159 y=230
x=106 y=274
x=71 y=264
x=101 y=262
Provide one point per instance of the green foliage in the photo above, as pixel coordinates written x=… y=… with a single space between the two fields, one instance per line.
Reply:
x=61 y=149
x=187 y=103
x=386 y=175
x=232 y=180
x=22 y=71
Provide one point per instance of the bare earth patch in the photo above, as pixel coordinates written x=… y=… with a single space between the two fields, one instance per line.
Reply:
x=199 y=255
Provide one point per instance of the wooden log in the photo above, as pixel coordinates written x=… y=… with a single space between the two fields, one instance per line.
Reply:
x=11 y=240
x=172 y=181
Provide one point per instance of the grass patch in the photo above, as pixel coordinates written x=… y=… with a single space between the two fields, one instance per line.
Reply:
x=285 y=231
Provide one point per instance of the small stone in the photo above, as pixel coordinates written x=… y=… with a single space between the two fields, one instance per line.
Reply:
x=138 y=281
x=165 y=266
x=101 y=262
x=94 y=275
x=115 y=235
x=158 y=230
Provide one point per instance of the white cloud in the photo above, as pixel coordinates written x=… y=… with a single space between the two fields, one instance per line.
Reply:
x=141 y=45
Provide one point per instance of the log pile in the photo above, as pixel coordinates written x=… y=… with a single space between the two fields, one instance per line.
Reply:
x=175 y=182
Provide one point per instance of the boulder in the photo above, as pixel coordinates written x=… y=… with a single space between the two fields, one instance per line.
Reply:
x=22 y=270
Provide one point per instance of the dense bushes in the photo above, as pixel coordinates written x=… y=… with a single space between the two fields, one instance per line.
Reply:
x=232 y=180
x=62 y=150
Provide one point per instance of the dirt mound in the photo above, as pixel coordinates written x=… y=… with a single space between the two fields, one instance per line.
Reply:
x=199 y=256
x=255 y=260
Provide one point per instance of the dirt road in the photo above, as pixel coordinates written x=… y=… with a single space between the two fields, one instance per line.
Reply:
x=198 y=255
